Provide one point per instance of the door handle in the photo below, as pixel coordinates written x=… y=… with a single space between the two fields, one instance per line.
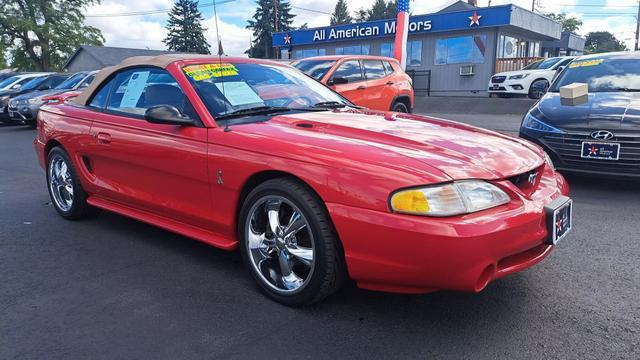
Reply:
x=361 y=87
x=103 y=138
x=390 y=82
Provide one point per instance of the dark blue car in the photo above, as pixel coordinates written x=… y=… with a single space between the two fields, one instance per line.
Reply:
x=598 y=133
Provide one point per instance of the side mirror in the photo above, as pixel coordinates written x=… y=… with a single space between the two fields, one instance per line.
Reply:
x=167 y=115
x=559 y=69
x=338 y=81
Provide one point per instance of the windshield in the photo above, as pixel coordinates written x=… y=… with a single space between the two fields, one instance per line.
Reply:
x=228 y=89
x=8 y=81
x=33 y=83
x=533 y=65
x=602 y=75
x=317 y=69
x=72 y=81
x=545 y=64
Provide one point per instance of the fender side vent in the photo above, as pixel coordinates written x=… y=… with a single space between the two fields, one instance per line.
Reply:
x=87 y=164
x=304 y=125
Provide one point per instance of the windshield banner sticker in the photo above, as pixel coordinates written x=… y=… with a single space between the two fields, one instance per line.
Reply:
x=585 y=63
x=239 y=93
x=208 y=71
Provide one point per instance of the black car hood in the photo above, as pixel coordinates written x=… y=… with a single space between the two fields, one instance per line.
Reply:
x=604 y=110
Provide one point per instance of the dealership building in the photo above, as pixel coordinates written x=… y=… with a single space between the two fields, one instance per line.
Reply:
x=453 y=52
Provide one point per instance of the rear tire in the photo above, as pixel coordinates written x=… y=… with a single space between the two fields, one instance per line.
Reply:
x=400 y=107
x=294 y=267
x=67 y=195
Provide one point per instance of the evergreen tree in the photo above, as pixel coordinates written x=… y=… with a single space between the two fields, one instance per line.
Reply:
x=362 y=15
x=185 y=32
x=264 y=23
x=392 y=10
x=341 y=15
x=378 y=11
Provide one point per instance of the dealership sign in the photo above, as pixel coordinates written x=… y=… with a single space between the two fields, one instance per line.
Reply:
x=459 y=20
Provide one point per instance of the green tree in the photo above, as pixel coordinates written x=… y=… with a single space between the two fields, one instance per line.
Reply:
x=378 y=11
x=264 y=23
x=185 y=32
x=603 y=41
x=362 y=15
x=340 y=14
x=45 y=32
x=392 y=10
x=569 y=24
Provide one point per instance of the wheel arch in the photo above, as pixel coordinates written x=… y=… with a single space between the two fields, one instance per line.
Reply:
x=405 y=99
x=265 y=175
x=50 y=145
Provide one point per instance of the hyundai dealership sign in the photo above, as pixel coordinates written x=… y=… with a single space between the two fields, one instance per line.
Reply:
x=461 y=20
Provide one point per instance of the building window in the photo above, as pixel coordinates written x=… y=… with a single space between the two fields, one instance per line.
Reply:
x=414 y=53
x=301 y=54
x=511 y=47
x=461 y=50
x=354 y=50
x=387 y=49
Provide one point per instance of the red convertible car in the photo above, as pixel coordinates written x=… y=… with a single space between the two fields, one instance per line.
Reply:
x=249 y=154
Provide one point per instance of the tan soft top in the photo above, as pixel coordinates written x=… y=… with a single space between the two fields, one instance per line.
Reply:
x=161 y=61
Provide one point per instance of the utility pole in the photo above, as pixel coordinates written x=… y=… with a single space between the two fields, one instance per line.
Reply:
x=275 y=9
x=638 y=26
x=533 y=5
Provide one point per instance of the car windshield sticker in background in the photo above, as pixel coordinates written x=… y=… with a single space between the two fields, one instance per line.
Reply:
x=239 y=93
x=208 y=71
x=134 y=89
x=585 y=63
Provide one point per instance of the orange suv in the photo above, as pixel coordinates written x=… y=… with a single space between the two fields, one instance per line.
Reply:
x=372 y=82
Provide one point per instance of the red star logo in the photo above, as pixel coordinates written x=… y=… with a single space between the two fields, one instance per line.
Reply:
x=559 y=224
x=475 y=19
x=287 y=39
x=593 y=150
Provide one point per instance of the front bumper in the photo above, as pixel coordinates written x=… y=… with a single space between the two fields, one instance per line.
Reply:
x=565 y=151
x=23 y=112
x=509 y=87
x=415 y=254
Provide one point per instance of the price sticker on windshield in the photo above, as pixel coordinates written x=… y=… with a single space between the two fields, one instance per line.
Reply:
x=208 y=71
x=585 y=63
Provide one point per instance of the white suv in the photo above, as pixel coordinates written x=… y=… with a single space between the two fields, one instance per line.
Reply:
x=533 y=80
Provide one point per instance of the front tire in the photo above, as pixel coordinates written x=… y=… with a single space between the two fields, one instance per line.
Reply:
x=289 y=244
x=538 y=89
x=67 y=195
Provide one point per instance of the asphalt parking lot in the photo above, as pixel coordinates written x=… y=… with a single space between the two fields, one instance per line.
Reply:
x=111 y=287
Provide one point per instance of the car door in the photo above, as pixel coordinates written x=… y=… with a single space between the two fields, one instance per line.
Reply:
x=151 y=167
x=348 y=80
x=380 y=90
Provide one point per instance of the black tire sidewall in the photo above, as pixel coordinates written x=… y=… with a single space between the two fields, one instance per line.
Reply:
x=400 y=107
x=313 y=287
x=532 y=87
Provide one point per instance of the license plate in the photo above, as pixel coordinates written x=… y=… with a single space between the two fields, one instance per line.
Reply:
x=495 y=87
x=559 y=219
x=602 y=151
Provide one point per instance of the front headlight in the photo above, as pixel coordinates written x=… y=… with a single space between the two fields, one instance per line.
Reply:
x=533 y=123
x=36 y=100
x=459 y=197
x=517 y=77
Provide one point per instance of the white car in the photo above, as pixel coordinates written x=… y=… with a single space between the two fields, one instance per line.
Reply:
x=16 y=81
x=533 y=80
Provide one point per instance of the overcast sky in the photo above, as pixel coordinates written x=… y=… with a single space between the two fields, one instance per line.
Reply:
x=148 y=31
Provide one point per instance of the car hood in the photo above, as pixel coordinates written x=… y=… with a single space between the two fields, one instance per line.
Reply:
x=604 y=110
x=401 y=141
x=34 y=94
x=511 y=73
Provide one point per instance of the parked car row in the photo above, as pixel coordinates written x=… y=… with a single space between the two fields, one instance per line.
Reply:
x=21 y=95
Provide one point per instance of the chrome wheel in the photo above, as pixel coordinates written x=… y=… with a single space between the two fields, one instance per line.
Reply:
x=60 y=183
x=280 y=244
